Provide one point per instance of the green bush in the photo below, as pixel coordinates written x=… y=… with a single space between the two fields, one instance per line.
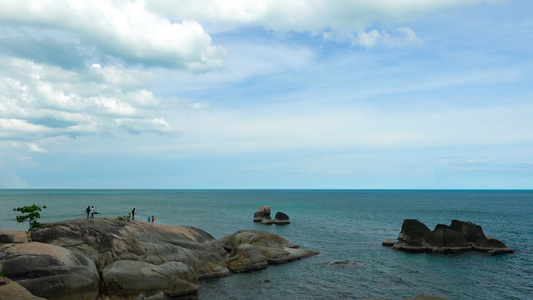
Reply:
x=30 y=213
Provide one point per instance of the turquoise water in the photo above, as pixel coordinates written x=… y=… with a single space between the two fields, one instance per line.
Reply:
x=343 y=225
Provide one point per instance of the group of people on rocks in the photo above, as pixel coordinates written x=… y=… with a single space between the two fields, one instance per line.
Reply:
x=91 y=212
x=133 y=216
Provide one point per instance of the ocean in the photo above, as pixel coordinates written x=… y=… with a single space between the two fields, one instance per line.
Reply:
x=345 y=226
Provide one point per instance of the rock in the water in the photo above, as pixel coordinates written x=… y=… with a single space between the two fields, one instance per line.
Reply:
x=10 y=290
x=128 y=279
x=492 y=246
x=262 y=213
x=388 y=242
x=276 y=249
x=444 y=239
x=13 y=236
x=267 y=221
x=458 y=237
x=246 y=257
x=413 y=230
x=50 y=271
x=281 y=219
x=470 y=231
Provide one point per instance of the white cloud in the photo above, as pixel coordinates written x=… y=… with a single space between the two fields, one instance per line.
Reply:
x=312 y=16
x=124 y=29
x=40 y=101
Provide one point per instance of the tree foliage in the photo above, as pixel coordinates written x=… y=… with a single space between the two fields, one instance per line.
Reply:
x=30 y=213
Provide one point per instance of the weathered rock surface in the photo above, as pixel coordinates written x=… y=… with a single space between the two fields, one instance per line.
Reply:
x=413 y=230
x=267 y=220
x=281 y=219
x=13 y=236
x=276 y=249
x=113 y=259
x=458 y=237
x=128 y=279
x=246 y=257
x=262 y=213
x=47 y=270
x=492 y=246
x=469 y=230
x=10 y=290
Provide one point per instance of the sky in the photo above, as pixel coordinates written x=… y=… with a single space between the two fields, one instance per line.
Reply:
x=266 y=94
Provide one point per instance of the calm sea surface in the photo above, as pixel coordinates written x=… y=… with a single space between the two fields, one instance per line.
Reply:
x=343 y=225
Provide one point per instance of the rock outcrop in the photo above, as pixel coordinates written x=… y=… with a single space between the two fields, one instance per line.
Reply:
x=276 y=249
x=10 y=290
x=46 y=270
x=262 y=213
x=458 y=237
x=281 y=219
x=13 y=236
x=113 y=259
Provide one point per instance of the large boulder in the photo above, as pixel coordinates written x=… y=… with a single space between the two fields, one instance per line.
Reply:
x=281 y=219
x=492 y=246
x=470 y=231
x=246 y=257
x=10 y=290
x=413 y=230
x=13 y=236
x=50 y=271
x=444 y=239
x=261 y=213
x=128 y=279
x=276 y=249
x=155 y=246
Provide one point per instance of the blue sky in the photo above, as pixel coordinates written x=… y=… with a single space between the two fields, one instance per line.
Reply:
x=411 y=94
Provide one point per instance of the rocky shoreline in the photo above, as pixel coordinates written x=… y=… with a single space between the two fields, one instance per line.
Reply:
x=114 y=259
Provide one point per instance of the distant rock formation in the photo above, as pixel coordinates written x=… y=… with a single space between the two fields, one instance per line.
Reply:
x=263 y=215
x=458 y=237
x=281 y=219
x=113 y=259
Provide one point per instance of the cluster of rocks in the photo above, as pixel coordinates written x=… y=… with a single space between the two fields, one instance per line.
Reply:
x=458 y=237
x=113 y=259
x=263 y=215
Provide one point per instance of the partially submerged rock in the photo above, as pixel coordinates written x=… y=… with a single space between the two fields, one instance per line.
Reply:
x=246 y=257
x=262 y=213
x=276 y=249
x=458 y=237
x=281 y=219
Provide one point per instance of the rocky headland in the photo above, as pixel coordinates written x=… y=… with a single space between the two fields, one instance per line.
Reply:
x=115 y=259
x=460 y=236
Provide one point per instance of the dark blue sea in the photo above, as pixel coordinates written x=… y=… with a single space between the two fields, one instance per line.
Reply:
x=345 y=226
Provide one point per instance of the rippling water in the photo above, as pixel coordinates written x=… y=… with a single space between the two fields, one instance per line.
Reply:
x=345 y=226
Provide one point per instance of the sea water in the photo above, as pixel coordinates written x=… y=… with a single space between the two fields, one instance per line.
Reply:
x=345 y=226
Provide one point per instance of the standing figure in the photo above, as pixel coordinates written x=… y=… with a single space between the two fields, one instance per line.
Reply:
x=148 y=220
x=152 y=219
x=88 y=211
x=92 y=211
x=133 y=214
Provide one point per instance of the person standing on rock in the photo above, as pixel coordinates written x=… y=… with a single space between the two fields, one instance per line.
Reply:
x=92 y=212
x=148 y=220
x=152 y=219
x=133 y=214
x=88 y=211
